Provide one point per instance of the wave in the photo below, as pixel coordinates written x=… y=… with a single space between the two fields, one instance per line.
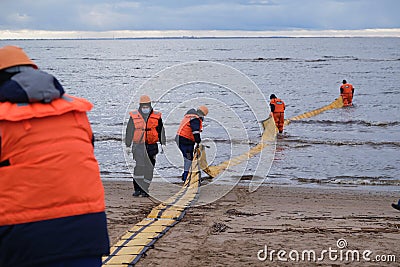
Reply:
x=118 y=138
x=334 y=58
x=299 y=143
x=305 y=143
x=259 y=59
x=115 y=176
x=350 y=180
x=99 y=59
x=323 y=59
x=223 y=49
x=350 y=122
x=114 y=172
x=233 y=141
x=390 y=92
x=339 y=57
x=102 y=138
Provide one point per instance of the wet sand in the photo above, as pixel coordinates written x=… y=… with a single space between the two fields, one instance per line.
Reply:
x=235 y=229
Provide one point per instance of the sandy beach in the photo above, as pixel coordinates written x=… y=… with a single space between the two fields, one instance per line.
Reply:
x=344 y=227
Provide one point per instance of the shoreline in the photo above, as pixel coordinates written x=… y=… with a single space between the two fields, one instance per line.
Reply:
x=305 y=185
x=232 y=230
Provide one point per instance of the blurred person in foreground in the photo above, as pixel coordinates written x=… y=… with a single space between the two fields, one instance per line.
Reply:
x=52 y=210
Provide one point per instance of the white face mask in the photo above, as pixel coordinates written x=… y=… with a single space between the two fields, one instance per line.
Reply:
x=145 y=110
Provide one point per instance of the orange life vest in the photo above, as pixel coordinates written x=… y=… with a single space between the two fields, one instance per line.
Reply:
x=347 y=88
x=279 y=105
x=53 y=172
x=184 y=128
x=145 y=132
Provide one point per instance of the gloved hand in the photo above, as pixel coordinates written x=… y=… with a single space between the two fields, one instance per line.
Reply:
x=128 y=150
x=197 y=146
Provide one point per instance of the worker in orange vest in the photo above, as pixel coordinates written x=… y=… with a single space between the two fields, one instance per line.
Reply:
x=188 y=135
x=144 y=130
x=278 y=111
x=52 y=210
x=347 y=92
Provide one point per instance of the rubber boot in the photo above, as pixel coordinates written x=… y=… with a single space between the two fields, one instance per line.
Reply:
x=396 y=206
x=137 y=189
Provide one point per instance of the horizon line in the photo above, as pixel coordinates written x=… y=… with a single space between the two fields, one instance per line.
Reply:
x=151 y=34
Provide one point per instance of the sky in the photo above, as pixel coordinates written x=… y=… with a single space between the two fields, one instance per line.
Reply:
x=197 y=17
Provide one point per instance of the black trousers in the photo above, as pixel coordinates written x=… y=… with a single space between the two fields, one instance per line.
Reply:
x=145 y=158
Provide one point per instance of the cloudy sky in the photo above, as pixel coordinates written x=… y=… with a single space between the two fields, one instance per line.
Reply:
x=197 y=15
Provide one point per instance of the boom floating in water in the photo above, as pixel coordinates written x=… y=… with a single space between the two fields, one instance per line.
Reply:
x=269 y=135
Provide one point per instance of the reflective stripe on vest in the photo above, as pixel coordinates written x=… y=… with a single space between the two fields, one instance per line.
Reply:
x=184 y=128
x=279 y=105
x=145 y=132
x=53 y=172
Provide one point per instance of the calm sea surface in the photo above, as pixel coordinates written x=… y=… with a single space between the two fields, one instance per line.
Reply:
x=345 y=147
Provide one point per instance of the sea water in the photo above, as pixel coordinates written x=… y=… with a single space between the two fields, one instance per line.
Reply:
x=349 y=146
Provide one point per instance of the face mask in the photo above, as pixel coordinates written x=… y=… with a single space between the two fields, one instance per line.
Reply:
x=145 y=110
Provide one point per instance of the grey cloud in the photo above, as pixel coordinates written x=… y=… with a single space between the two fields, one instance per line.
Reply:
x=100 y=15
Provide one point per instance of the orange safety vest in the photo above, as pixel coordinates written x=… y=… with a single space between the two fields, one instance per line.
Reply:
x=184 y=128
x=347 y=88
x=279 y=105
x=145 y=132
x=53 y=172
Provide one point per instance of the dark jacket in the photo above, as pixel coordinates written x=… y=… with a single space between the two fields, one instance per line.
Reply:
x=152 y=149
x=195 y=125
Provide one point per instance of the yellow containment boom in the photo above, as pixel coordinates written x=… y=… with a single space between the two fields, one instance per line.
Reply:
x=338 y=103
x=267 y=138
x=137 y=240
x=269 y=134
